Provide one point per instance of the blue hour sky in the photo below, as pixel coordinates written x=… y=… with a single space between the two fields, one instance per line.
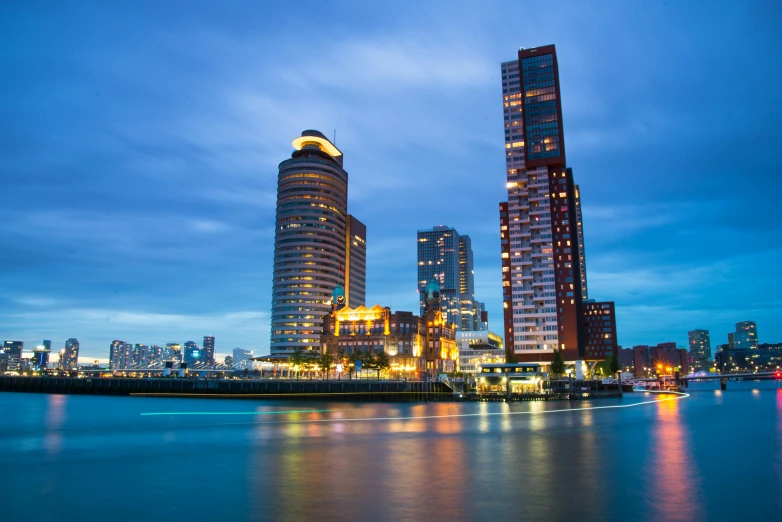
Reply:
x=139 y=144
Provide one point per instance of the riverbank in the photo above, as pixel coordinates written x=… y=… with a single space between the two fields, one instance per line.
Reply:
x=345 y=390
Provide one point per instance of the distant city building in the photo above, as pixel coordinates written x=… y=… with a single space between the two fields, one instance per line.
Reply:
x=599 y=330
x=745 y=336
x=626 y=362
x=209 y=350
x=438 y=259
x=228 y=361
x=355 y=262
x=40 y=359
x=700 y=349
x=13 y=349
x=541 y=232
x=446 y=256
x=193 y=355
x=70 y=358
x=766 y=357
x=477 y=348
x=155 y=356
x=120 y=355
x=172 y=352
x=242 y=358
x=317 y=244
x=140 y=358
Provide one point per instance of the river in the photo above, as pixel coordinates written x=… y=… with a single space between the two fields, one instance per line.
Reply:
x=712 y=455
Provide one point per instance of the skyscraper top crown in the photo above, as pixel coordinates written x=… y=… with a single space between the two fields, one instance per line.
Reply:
x=316 y=139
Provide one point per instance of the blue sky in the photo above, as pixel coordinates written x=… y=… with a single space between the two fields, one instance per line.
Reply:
x=139 y=145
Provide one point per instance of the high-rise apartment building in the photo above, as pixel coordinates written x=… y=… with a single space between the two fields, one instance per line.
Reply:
x=70 y=357
x=700 y=348
x=600 y=337
x=209 y=350
x=317 y=245
x=540 y=224
x=120 y=355
x=746 y=335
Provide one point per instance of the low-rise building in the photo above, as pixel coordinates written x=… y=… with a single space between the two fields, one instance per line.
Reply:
x=477 y=348
x=415 y=345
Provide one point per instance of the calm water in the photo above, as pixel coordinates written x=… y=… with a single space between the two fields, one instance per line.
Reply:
x=712 y=456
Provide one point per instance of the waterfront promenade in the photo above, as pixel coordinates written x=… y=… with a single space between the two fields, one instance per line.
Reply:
x=338 y=390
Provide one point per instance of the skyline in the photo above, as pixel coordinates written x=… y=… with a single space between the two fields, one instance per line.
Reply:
x=170 y=137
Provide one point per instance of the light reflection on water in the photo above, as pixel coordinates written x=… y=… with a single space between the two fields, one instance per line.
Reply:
x=413 y=461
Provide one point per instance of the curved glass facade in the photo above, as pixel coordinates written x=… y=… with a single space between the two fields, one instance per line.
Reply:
x=309 y=242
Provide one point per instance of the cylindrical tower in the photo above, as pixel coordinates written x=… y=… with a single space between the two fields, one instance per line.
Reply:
x=309 y=241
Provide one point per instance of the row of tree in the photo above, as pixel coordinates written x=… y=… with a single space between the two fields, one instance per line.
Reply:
x=608 y=367
x=325 y=362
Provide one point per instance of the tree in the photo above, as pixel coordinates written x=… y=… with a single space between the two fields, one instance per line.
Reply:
x=369 y=361
x=558 y=363
x=613 y=363
x=297 y=359
x=382 y=362
x=325 y=361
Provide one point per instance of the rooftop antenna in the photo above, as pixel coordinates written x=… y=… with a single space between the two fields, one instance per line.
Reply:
x=335 y=136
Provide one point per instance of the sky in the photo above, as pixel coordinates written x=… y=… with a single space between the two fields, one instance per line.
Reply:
x=139 y=145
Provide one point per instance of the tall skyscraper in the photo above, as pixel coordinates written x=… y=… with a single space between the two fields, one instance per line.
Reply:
x=71 y=356
x=438 y=259
x=209 y=350
x=746 y=335
x=540 y=226
x=700 y=348
x=314 y=248
x=446 y=256
x=355 y=262
x=467 y=303
x=193 y=355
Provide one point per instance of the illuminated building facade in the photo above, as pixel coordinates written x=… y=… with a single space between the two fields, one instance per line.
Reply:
x=745 y=336
x=477 y=348
x=599 y=330
x=209 y=350
x=446 y=256
x=120 y=355
x=413 y=344
x=41 y=358
x=700 y=348
x=193 y=355
x=70 y=357
x=13 y=351
x=540 y=225
x=317 y=245
x=172 y=352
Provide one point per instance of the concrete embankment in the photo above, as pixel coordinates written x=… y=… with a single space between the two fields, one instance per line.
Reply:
x=351 y=390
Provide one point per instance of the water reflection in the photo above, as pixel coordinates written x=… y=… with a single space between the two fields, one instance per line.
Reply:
x=56 y=407
x=672 y=471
